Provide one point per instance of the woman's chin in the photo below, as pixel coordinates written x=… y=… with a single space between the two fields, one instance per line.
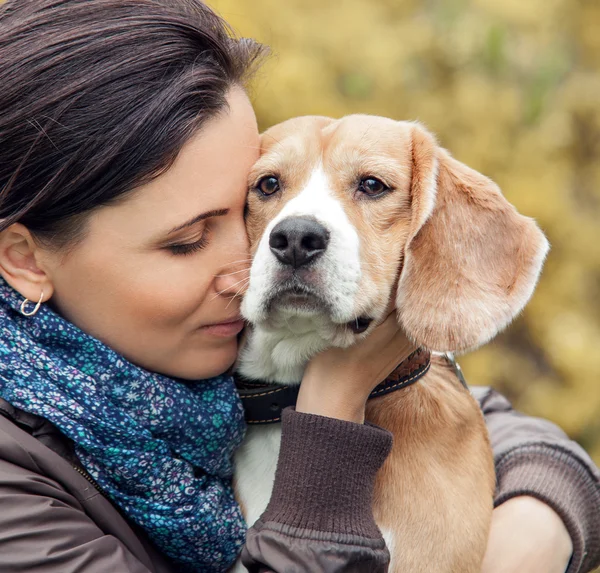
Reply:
x=210 y=363
x=198 y=362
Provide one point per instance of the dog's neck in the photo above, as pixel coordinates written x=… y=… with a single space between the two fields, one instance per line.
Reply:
x=279 y=352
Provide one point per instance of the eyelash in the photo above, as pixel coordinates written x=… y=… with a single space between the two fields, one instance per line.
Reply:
x=189 y=248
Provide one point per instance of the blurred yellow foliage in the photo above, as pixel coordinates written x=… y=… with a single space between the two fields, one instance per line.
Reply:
x=512 y=88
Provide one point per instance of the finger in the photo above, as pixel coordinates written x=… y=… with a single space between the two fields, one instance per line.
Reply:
x=396 y=339
x=391 y=306
x=385 y=331
x=400 y=334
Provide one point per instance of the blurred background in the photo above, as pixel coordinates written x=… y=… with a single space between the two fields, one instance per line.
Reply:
x=512 y=88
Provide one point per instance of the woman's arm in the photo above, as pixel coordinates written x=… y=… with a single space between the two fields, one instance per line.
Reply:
x=44 y=529
x=535 y=459
x=527 y=536
x=320 y=517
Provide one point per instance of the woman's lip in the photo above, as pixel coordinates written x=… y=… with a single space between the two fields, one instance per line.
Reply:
x=225 y=329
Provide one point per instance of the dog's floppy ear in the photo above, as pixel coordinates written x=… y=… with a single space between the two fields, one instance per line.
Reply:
x=471 y=261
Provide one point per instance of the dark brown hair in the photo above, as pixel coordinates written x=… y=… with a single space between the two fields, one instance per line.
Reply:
x=98 y=96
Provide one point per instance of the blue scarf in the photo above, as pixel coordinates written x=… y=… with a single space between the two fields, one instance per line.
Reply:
x=159 y=448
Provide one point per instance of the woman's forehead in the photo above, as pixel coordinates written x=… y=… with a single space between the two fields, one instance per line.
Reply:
x=210 y=173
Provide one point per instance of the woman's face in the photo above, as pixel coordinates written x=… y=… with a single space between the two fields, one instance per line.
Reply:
x=156 y=276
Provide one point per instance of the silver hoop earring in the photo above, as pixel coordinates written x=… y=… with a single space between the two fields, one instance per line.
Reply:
x=35 y=308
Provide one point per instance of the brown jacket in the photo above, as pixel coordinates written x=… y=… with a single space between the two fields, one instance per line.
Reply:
x=53 y=520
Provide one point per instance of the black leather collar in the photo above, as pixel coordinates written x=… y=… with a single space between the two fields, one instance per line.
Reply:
x=263 y=403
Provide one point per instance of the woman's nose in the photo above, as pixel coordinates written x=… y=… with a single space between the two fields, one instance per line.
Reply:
x=233 y=281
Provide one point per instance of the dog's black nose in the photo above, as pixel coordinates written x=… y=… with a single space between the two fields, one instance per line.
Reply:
x=297 y=241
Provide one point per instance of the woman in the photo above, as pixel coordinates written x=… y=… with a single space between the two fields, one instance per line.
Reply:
x=125 y=140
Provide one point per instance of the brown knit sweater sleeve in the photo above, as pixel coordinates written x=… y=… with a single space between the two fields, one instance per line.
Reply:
x=534 y=457
x=320 y=517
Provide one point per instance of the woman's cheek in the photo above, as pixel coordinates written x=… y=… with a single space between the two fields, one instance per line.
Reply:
x=173 y=292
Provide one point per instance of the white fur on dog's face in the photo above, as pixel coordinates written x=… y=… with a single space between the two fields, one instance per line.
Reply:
x=335 y=275
x=350 y=280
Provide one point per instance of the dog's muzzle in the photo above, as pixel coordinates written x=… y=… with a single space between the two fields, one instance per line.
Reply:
x=306 y=265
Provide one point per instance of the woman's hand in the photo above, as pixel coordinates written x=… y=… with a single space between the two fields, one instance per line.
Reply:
x=527 y=536
x=337 y=382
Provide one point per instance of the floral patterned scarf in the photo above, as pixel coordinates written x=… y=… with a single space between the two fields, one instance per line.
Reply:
x=159 y=448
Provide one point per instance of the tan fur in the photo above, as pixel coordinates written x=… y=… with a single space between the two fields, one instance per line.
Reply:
x=467 y=263
x=434 y=492
x=472 y=266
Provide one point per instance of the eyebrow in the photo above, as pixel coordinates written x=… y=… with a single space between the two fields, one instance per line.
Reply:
x=198 y=218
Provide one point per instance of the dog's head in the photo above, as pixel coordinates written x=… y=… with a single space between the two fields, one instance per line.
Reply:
x=344 y=215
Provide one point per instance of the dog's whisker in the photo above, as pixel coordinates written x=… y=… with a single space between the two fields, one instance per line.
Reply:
x=236 y=295
x=234 y=273
x=222 y=292
x=245 y=279
x=273 y=138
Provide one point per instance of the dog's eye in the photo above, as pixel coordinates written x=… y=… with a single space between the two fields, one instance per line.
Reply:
x=268 y=185
x=372 y=187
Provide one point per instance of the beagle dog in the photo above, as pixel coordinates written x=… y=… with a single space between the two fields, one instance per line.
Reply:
x=344 y=215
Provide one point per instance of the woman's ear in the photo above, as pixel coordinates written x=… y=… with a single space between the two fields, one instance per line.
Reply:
x=471 y=261
x=21 y=263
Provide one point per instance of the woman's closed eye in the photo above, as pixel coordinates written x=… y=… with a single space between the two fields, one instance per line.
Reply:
x=193 y=235
x=189 y=248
